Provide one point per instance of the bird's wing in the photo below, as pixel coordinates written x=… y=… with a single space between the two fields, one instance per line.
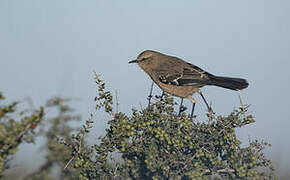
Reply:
x=186 y=75
x=169 y=77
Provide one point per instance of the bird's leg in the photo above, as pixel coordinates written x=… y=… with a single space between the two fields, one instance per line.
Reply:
x=150 y=95
x=160 y=97
x=181 y=107
x=208 y=107
x=192 y=111
x=193 y=106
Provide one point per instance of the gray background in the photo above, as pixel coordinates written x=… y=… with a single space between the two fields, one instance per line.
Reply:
x=50 y=48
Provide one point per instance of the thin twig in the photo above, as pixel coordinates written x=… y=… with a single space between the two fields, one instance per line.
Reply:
x=117 y=103
x=225 y=170
x=242 y=107
x=68 y=163
x=79 y=147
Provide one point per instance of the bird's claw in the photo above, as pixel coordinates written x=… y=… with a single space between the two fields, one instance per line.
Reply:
x=183 y=108
x=159 y=97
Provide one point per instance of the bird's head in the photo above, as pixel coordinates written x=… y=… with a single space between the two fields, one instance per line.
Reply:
x=146 y=57
x=147 y=60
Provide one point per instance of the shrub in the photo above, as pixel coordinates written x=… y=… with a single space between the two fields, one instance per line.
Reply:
x=16 y=127
x=157 y=143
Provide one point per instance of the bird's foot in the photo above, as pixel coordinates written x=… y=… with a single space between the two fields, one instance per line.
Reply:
x=210 y=113
x=210 y=110
x=160 y=97
x=183 y=108
x=149 y=97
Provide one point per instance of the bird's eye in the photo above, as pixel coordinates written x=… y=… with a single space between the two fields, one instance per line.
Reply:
x=143 y=59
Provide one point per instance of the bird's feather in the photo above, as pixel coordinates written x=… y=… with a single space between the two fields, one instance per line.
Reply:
x=186 y=76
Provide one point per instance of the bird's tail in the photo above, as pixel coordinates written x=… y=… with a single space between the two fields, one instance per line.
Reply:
x=229 y=83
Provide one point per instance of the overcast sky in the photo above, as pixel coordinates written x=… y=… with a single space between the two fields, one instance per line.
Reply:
x=50 y=48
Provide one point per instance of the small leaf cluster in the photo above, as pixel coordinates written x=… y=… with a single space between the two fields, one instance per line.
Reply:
x=15 y=128
x=104 y=97
x=157 y=143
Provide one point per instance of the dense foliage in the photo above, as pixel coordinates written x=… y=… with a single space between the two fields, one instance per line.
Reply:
x=152 y=143
x=160 y=144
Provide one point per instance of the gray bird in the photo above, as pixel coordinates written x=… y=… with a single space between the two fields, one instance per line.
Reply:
x=180 y=78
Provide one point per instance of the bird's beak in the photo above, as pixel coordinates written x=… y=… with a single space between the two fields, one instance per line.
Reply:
x=133 y=61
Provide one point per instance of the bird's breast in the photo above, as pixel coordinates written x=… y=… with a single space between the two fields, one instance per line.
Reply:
x=179 y=91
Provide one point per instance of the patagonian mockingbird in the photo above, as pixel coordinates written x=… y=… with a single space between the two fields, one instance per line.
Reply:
x=180 y=78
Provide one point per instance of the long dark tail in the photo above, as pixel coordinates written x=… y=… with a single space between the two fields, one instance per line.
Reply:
x=229 y=83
